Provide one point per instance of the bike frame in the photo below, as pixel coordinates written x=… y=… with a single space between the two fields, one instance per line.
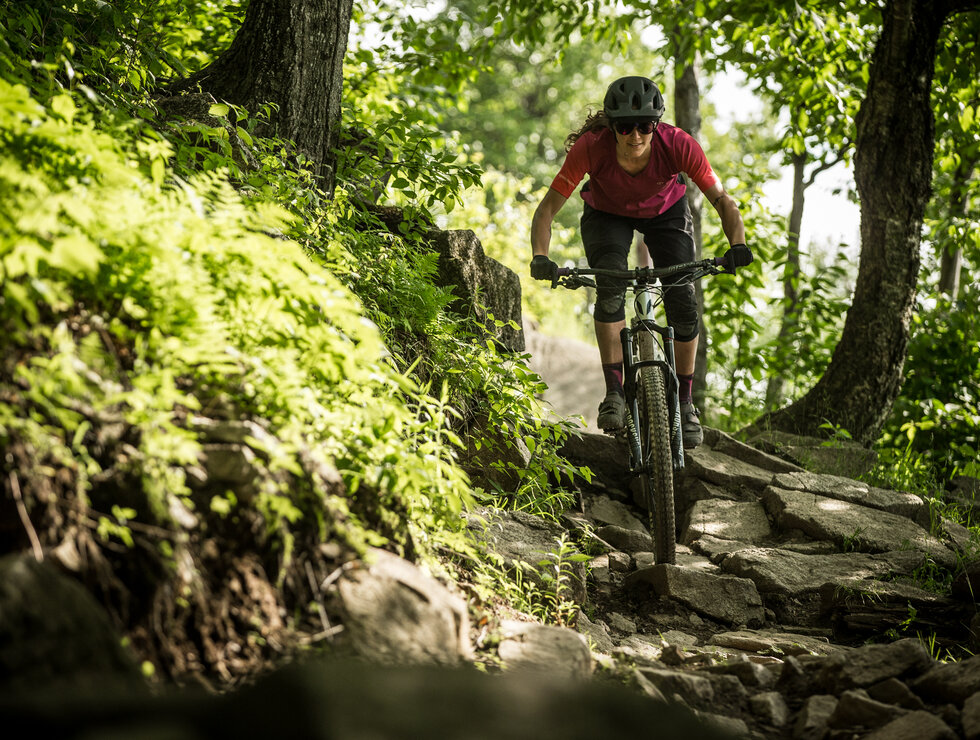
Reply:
x=643 y=282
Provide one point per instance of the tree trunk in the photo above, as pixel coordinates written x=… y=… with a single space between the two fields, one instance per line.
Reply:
x=791 y=277
x=687 y=107
x=893 y=172
x=290 y=53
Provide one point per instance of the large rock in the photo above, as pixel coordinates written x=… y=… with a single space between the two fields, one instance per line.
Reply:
x=914 y=726
x=851 y=526
x=727 y=520
x=605 y=456
x=837 y=457
x=779 y=571
x=483 y=285
x=54 y=633
x=556 y=651
x=950 y=682
x=718 y=441
x=872 y=664
x=726 y=471
x=856 y=492
x=396 y=614
x=527 y=542
x=604 y=510
x=730 y=600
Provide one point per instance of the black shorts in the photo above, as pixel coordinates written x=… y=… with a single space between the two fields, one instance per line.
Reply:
x=669 y=237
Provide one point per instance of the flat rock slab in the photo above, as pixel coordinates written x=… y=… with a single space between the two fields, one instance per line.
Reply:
x=769 y=642
x=845 y=489
x=716 y=549
x=718 y=441
x=851 y=526
x=727 y=520
x=557 y=651
x=604 y=510
x=724 y=598
x=726 y=471
x=778 y=571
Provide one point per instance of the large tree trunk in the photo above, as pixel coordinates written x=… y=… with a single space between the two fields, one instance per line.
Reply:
x=894 y=154
x=291 y=53
x=687 y=107
x=791 y=277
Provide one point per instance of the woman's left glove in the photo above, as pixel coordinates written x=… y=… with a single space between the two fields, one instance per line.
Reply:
x=739 y=255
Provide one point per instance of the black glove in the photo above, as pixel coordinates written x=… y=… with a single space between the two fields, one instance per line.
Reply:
x=543 y=268
x=738 y=255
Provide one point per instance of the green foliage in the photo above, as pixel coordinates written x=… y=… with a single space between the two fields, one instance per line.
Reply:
x=186 y=283
x=936 y=419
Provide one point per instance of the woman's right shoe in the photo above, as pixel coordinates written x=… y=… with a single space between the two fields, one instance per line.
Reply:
x=612 y=412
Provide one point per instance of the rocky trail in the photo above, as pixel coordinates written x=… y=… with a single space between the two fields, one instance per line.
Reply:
x=803 y=604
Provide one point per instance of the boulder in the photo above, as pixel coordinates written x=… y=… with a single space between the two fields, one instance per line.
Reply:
x=971 y=717
x=604 y=510
x=726 y=471
x=856 y=709
x=482 y=285
x=872 y=664
x=770 y=707
x=955 y=682
x=851 y=526
x=544 y=649
x=605 y=456
x=812 y=721
x=727 y=520
x=779 y=571
x=718 y=441
x=53 y=633
x=730 y=600
x=914 y=726
x=856 y=492
x=528 y=542
x=396 y=614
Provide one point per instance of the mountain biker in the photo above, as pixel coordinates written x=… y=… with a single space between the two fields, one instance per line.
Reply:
x=634 y=163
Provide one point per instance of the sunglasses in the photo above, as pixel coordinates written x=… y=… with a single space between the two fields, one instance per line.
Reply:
x=625 y=129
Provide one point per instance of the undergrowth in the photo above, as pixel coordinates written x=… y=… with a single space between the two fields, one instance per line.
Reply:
x=160 y=269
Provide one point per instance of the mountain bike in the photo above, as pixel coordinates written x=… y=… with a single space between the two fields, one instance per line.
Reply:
x=653 y=416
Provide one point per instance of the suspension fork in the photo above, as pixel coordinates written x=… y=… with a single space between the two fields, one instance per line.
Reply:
x=669 y=366
x=629 y=387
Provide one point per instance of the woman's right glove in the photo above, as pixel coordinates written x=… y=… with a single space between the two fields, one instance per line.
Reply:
x=543 y=268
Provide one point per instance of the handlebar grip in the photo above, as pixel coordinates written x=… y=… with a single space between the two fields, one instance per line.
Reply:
x=563 y=272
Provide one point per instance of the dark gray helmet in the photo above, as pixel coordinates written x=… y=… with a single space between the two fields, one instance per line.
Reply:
x=633 y=97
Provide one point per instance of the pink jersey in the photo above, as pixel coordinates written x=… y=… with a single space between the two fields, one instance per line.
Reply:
x=646 y=194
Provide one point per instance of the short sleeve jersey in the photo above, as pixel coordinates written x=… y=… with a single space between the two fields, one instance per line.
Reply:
x=644 y=195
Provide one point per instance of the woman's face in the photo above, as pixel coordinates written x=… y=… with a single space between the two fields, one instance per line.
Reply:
x=633 y=139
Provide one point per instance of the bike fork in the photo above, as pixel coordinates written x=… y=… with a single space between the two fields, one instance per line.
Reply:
x=629 y=386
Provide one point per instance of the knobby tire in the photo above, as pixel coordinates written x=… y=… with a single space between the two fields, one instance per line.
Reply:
x=657 y=478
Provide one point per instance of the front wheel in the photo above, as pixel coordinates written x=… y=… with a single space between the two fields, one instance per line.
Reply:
x=657 y=468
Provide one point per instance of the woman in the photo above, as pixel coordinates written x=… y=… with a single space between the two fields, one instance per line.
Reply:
x=634 y=163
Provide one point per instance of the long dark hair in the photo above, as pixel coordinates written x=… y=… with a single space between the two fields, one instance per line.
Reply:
x=594 y=122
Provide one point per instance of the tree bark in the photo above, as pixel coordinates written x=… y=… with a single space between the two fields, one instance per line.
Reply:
x=893 y=172
x=290 y=53
x=791 y=278
x=687 y=107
